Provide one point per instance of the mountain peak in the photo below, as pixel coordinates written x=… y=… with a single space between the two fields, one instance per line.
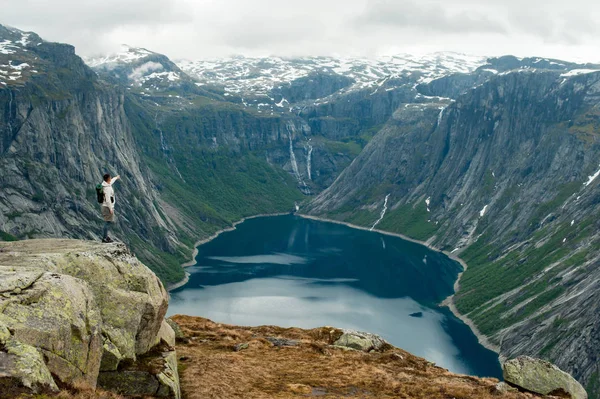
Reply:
x=127 y=54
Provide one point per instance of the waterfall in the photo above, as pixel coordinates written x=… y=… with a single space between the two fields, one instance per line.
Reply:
x=10 y=132
x=165 y=147
x=383 y=211
x=293 y=159
x=290 y=128
x=308 y=161
x=163 y=144
x=439 y=120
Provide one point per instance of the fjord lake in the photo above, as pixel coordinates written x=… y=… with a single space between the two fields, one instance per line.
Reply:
x=295 y=272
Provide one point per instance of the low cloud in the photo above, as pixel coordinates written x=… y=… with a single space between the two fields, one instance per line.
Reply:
x=209 y=28
x=143 y=69
x=428 y=16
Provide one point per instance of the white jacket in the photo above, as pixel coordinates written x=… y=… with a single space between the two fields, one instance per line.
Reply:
x=109 y=194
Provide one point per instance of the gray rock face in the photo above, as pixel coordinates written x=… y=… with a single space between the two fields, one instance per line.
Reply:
x=75 y=310
x=55 y=150
x=146 y=378
x=22 y=367
x=314 y=86
x=176 y=329
x=166 y=335
x=64 y=323
x=541 y=377
x=132 y=301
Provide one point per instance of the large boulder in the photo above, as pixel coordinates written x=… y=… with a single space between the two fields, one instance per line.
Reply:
x=83 y=307
x=131 y=299
x=361 y=341
x=541 y=377
x=57 y=315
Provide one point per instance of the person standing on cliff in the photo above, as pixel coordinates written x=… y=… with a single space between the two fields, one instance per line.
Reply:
x=108 y=206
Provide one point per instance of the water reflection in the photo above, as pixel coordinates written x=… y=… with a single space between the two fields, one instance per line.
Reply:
x=263 y=273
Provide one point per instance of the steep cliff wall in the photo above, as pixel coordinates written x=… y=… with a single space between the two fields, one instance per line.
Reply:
x=504 y=177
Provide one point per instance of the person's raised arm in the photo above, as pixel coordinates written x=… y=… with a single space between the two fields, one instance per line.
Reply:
x=114 y=179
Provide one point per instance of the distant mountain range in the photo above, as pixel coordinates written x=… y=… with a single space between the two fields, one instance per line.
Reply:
x=495 y=160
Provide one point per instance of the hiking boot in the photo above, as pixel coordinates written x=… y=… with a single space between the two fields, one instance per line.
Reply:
x=107 y=240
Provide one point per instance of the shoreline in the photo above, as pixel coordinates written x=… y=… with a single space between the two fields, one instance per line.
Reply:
x=448 y=302
x=193 y=262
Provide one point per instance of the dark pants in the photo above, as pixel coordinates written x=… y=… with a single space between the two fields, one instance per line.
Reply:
x=106 y=229
x=109 y=218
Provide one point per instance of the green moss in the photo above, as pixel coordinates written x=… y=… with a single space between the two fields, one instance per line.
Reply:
x=593 y=386
x=347 y=146
x=6 y=236
x=411 y=220
x=543 y=210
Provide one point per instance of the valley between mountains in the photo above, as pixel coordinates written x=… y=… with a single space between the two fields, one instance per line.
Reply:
x=494 y=160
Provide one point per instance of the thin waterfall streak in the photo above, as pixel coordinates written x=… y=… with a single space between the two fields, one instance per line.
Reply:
x=165 y=148
x=10 y=101
x=293 y=161
x=439 y=120
x=308 y=161
x=383 y=211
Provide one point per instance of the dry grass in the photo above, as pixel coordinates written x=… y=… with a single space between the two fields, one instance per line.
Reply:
x=81 y=393
x=212 y=369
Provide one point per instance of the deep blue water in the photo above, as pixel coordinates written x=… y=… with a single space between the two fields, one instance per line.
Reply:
x=290 y=271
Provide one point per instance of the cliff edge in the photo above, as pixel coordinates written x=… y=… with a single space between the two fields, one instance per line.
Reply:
x=82 y=314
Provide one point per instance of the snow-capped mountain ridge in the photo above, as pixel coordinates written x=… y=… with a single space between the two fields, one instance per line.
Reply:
x=128 y=54
x=259 y=76
x=14 y=44
x=139 y=68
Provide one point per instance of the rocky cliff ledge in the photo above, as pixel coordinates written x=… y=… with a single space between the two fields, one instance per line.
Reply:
x=82 y=314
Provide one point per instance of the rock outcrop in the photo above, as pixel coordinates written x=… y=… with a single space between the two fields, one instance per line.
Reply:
x=541 y=377
x=79 y=313
x=361 y=341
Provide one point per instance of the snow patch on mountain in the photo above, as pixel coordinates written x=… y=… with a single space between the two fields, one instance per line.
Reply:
x=125 y=56
x=575 y=72
x=258 y=76
x=14 y=72
x=8 y=47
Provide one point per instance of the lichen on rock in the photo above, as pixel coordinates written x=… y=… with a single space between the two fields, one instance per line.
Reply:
x=70 y=308
x=541 y=377
x=361 y=341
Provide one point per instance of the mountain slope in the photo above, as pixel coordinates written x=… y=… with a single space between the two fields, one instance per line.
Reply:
x=62 y=127
x=505 y=177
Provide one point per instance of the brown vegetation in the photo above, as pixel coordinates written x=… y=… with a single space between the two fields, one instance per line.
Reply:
x=211 y=368
x=213 y=365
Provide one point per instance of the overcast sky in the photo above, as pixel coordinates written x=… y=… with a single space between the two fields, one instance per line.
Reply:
x=194 y=29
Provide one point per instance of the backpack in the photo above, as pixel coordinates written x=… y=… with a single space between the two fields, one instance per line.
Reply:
x=100 y=193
